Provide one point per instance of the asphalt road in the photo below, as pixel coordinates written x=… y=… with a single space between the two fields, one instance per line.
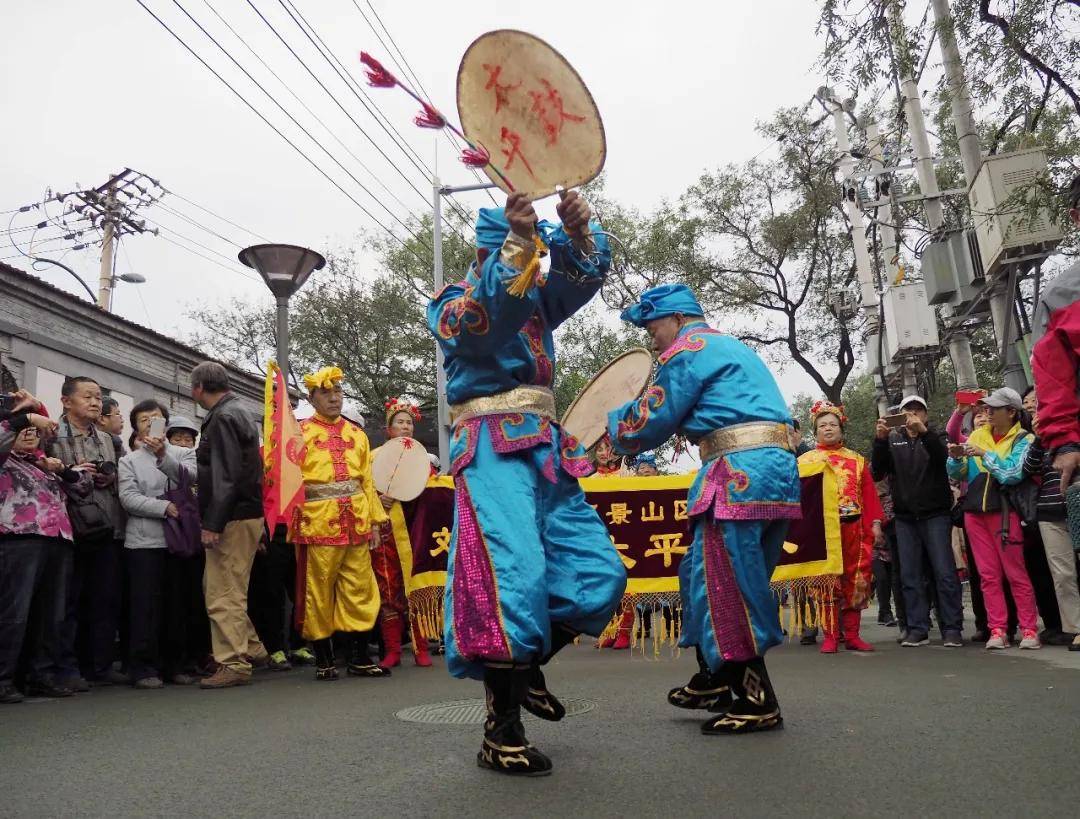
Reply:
x=929 y=731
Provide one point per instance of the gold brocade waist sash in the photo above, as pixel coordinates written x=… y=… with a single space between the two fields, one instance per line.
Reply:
x=535 y=400
x=739 y=437
x=328 y=491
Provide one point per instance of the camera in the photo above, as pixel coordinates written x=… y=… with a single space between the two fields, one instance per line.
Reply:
x=105 y=467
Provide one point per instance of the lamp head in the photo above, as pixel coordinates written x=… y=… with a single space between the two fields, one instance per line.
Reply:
x=284 y=268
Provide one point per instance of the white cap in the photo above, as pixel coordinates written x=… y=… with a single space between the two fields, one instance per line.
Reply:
x=913 y=399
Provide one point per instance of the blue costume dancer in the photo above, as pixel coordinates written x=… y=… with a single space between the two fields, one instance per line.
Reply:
x=531 y=564
x=718 y=392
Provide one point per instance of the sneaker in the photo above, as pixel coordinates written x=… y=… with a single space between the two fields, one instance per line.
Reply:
x=149 y=683
x=279 y=662
x=886 y=619
x=9 y=694
x=1030 y=640
x=111 y=677
x=980 y=636
x=78 y=684
x=890 y=623
x=226 y=677
x=302 y=656
x=997 y=641
x=183 y=678
x=913 y=639
x=47 y=688
x=953 y=639
x=260 y=660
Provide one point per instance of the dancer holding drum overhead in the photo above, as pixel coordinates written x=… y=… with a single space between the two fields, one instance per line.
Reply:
x=531 y=565
x=717 y=392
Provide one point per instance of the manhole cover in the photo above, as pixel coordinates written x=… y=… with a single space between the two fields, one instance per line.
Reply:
x=473 y=712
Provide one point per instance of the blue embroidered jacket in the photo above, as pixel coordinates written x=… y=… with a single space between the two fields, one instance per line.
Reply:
x=706 y=381
x=493 y=341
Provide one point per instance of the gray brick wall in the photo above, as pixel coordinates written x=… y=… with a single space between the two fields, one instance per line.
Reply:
x=43 y=326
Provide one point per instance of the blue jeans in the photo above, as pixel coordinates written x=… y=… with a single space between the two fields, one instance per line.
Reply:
x=931 y=537
x=31 y=603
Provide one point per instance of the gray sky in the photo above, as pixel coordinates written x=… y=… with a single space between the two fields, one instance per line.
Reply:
x=91 y=87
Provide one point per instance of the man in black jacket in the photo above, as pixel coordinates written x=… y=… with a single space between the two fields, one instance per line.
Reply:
x=230 y=502
x=914 y=457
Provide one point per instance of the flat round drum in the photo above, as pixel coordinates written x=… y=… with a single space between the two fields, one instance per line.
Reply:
x=526 y=105
x=401 y=468
x=622 y=379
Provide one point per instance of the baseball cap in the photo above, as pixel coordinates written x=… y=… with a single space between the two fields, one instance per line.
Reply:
x=1004 y=397
x=913 y=399
x=180 y=422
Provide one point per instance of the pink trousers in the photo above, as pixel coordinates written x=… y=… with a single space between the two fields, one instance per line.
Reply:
x=996 y=560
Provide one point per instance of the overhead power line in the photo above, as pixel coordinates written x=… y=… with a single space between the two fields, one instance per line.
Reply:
x=355 y=86
x=276 y=130
x=299 y=125
x=305 y=106
x=407 y=69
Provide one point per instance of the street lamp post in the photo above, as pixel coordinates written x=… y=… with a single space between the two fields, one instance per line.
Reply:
x=284 y=269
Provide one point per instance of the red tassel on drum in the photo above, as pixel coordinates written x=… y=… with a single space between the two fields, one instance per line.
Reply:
x=476 y=157
x=429 y=118
x=378 y=77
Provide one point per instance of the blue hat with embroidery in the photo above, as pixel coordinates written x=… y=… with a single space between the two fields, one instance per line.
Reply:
x=661 y=301
x=492 y=228
x=645 y=458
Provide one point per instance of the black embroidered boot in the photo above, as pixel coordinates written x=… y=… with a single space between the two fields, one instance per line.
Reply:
x=360 y=664
x=539 y=701
x=706 y=690
x=325 y=669
x=755 y=707
x=505 y=748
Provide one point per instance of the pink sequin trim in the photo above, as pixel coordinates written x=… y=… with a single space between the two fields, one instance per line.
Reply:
x=477 y=617
x=692 y=342
x=577 y=466
x=534 y=337
x=727 y=611
x=463 y=312
x=504 y=441
x=469 y=428
x=549 y=468
x=720 y=481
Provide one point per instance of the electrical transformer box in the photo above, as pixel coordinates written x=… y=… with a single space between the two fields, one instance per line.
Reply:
x=1005 y=228
x=910 y=323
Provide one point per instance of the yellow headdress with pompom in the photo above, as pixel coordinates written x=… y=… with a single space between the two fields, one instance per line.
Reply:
x=327 y=378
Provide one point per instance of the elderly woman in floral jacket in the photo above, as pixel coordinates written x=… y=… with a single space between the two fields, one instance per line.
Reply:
x=35 y=535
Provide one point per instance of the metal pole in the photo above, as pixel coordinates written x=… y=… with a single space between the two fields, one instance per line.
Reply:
x=891 y=253
x=105 y=278
x=283 y=336
x=963 y=119
x=440 y=372
x=959 y=343
x=1001 y=293
x=868 y=292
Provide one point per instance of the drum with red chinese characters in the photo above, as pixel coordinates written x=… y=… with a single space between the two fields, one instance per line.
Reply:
x=622 y=379
x=400 y=468
x=529 y=109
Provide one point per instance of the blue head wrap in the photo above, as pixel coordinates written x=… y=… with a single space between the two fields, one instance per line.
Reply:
x=492 y=228
x=660 y=301
x=645 y=458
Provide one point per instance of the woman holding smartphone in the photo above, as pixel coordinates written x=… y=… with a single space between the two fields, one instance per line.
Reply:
x=993 y=457
x=156 y=642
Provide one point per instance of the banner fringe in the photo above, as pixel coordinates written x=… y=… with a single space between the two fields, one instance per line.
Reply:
x=426 y=611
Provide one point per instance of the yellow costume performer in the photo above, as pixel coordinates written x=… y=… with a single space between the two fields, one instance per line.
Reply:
x=333 y=530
